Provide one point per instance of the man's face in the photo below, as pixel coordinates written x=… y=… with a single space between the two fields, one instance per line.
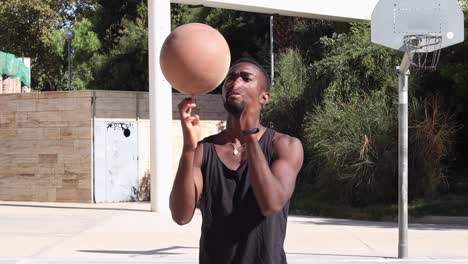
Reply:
x=243 y=85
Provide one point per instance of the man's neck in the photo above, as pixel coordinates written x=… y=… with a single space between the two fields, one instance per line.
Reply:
x=233 y=129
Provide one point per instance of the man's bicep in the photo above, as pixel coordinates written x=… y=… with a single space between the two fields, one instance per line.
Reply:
x=288 y=162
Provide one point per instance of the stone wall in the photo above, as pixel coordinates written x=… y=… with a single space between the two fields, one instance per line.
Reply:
x=46 y=139
x=45 y=146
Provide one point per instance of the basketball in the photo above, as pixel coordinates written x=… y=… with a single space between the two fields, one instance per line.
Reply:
x=195 y=58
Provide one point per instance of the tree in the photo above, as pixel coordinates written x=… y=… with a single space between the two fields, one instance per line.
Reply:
x=24 y=27
x=25 y=23
x=124 y=65
x=109 y=16
x=85 y=46
x=123 y=61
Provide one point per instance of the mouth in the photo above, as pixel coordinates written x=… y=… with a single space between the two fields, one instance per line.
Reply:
x=233 y=94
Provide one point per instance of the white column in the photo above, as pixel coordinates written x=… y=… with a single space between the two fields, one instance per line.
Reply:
x=27 y=63
x=159 y=26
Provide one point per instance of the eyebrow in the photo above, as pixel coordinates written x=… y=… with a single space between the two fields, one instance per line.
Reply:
x=242 y=73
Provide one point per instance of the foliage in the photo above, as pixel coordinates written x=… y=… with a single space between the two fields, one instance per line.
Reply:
x=75 y=10
x=109 y=17
x=351 y=147
x=24 y=23
x=447 y=205
x=287 y=106
x=125 y=66
x=125 y=49
x=352 y=64
x=26 y=28
x=432 y=132
x=350 y=135
x=23 y=28
x=310 y=33
x=351 y=138
x=84 y=46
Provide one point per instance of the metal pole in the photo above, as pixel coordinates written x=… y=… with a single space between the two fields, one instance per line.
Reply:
x=69 y=64
x=403 y=74
x=272 y=52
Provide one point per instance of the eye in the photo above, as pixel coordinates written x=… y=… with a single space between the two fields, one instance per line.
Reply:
x=246 y=77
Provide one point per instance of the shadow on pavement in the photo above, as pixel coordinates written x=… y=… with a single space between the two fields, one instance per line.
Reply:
x=159 y=251
x=76 y=207
x=346 y=222
x=338 y=255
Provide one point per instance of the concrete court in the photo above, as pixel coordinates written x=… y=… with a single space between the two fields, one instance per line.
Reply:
x=130 y=233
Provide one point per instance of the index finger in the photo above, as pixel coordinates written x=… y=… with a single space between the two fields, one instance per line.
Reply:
x=186 y=106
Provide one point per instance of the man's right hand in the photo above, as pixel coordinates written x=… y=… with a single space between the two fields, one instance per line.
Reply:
x=190 y=124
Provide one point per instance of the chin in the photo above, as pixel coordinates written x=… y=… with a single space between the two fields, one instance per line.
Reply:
x=234 y=107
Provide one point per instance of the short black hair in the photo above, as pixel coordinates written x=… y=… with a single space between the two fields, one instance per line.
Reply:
x=256 y=64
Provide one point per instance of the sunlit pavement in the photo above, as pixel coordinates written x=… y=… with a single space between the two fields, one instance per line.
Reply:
x=130 y=233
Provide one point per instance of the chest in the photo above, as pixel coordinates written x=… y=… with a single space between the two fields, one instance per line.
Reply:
x=231 y=157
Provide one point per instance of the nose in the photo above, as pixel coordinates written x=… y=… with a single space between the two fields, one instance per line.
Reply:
x=236 y=82
x=231 y=83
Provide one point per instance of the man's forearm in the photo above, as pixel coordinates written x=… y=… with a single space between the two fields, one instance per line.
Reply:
x=183 y=194
x=269 y=192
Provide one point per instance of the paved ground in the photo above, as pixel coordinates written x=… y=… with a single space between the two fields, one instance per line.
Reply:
x=130 y=233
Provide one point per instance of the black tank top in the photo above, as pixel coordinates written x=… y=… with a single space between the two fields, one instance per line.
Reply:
x=234 y=231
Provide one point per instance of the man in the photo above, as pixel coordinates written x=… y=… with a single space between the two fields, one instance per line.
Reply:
x=242 y=178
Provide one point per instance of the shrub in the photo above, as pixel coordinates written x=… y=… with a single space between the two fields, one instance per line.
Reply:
x=351 y=148
x=287 y=106
x=432 y=134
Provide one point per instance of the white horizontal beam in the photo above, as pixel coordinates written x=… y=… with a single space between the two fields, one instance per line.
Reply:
x=339 y=10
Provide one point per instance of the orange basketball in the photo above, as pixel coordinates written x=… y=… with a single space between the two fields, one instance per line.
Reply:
x=195 y=58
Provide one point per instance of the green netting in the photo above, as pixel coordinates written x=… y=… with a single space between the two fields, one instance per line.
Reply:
x=14 y=67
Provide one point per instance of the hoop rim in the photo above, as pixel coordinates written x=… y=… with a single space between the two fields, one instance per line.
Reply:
x=424 y=50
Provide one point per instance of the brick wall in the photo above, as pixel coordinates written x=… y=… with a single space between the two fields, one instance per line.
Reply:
x=46 y=139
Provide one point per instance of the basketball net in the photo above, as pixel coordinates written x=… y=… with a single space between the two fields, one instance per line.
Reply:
x=425 y=51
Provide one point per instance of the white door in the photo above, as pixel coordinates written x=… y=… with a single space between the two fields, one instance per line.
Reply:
x=116 y=161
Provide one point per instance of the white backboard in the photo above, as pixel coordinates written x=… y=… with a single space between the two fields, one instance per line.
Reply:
x=392 y=20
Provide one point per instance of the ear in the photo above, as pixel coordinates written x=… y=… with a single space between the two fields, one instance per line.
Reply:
x=264 y=98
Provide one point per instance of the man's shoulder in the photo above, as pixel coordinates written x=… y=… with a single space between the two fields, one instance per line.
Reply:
x=281 y=138
x=288 y=148
x=283 y=144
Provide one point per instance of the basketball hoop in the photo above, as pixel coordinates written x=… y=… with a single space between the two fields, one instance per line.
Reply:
x=420 y=29
x=426 y=51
